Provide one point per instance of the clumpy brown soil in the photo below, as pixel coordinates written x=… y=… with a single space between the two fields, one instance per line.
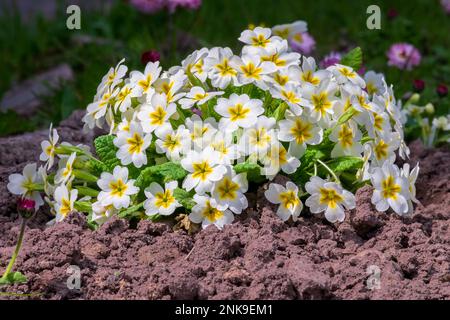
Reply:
x=257 y=257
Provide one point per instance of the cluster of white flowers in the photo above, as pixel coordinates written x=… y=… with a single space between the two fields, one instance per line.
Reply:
x=267 y=106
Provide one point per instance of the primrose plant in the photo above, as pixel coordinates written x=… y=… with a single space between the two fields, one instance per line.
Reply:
x=425 y=122
x=193 y=139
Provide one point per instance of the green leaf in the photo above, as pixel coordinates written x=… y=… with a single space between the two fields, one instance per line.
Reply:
x=161 y=173
x=83 y=206
x=106 y=151
x=252 y=169
x=353 y=58
x=342 y=164
x=127 y=213
x=184 y=198
x=13 y=277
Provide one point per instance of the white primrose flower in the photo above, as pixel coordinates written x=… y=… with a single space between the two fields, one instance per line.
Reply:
x=48 y=147
x=347 y=137
x=329 y=197
x=291 y=93
x=442 y=123
x=251 y=69
x=64 y=201
x=322 y=99
x=132 y=145
x=278 y=54
x=173 y=143
x=287 y=197
x=101 y=213
x=172 y=86
x=391 y=189
x=116 y=188
x=384 y=148
x=307 y=74
x=65 y=169
x=197 y=96
x=194 y=63
x=229 y=191
x=258 y=37
x=204 y=167
x=277 y=158
x=411 y=176
x=238 y=111
x=287 y=30
x=374 y=82
x=299 y=131
x=156 y=114
x=123 y=96
x=222 y=142
x=206 y=212
x=142 y=82
x=258 y=138
x=221 y=73
x=344 y=74
x=24 y=184
x=161 y=201
x=112 y=78
x=201 y=132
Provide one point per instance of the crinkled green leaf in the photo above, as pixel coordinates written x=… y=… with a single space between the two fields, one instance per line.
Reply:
x=106 y=151
x=353 y=58
x=13 y=277
x=252 y=169
x=128 y=213
x=342 y=164
x=184 y=198
x=161 y=173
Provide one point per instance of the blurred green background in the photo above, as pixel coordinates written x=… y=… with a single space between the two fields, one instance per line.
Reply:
x=33 y=45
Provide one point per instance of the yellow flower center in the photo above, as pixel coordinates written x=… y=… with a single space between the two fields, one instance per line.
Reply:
x=301 y=131
x=281 y=80
x=201 y=170
x=211 y=213
x=309 y=77
x=259 y=137
x=371 y=88
x=321 y=102
x=389 y=188
x=118 y=188
x=157 y=116
x=145 y=84
x=347 y=72
x=275 y=58
x=238 y=112
x=227 y=189
x=381 y=150
x=260 y=41
x=164 y=199
x=251 y=71
x=200 y=96
x=345 y=136
x=378 y=123
x=298 y=37
x=289 y=200
x=290 y=96
x=225 y=69
x=135 y=143
x=50 y=150
x=330 y=197
x=66 y=207
x=199 y=131
x=171 y=142
x=283 y=33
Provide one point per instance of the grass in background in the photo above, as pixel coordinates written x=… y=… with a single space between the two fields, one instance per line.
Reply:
x=32 y=47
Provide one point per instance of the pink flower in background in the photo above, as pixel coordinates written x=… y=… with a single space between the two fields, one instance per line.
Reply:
x=302 y=42
x=150 y=56
x=330 y=59
x=446 y=5
x=148 y=6
x=188 y=4
x=403 y=56
x=152 y=6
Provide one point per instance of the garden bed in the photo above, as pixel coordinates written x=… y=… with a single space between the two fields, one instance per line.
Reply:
x=257 y=257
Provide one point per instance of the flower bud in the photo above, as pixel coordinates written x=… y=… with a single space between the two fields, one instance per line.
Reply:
x=429 y=108
x=442 y=90
x=418 y=85
x=414 y=98
x=25 y=207
x=150 y=56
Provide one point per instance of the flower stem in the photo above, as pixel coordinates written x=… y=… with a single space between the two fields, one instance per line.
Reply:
x=329 y=170
x=16 y=251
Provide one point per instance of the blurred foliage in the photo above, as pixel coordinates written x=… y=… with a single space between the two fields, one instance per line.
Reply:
x=33 y=46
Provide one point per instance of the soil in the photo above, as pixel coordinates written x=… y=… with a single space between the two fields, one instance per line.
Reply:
x=257 y=257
